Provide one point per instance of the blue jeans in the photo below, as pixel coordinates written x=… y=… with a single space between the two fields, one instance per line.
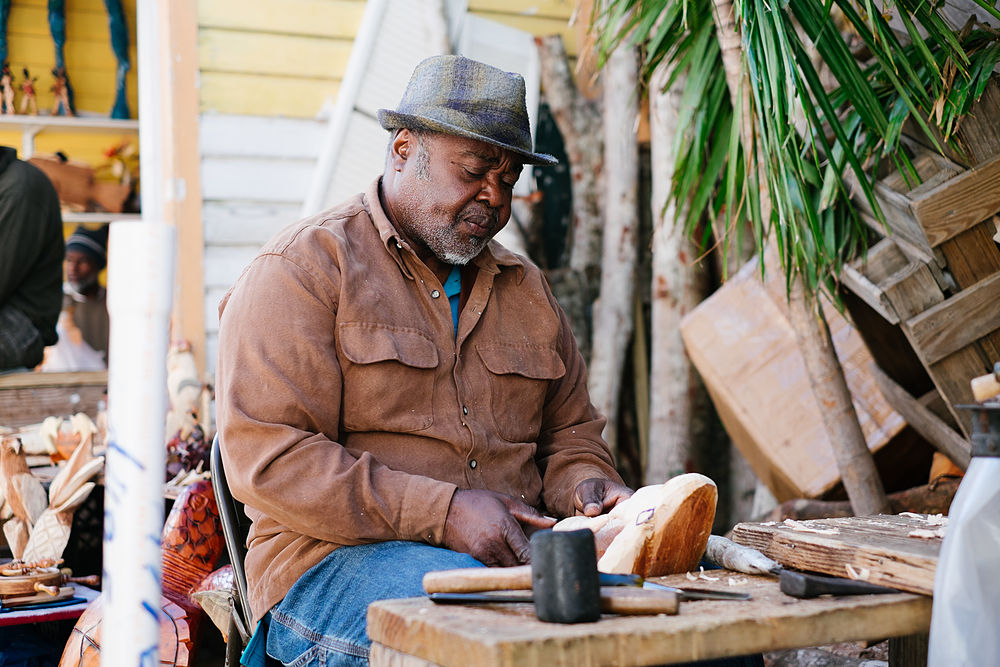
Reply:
x=322 y=620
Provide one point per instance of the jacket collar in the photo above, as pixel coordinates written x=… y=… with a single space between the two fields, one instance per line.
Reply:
x=490 y=259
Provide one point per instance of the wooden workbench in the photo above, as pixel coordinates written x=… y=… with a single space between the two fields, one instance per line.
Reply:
x=415 y=632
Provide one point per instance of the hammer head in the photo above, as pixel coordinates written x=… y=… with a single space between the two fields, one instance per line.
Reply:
x=564 y=578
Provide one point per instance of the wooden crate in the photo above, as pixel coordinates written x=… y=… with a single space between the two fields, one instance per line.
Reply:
x=954 y=333
x=941 y=219
x=742 y=343
x=28 y=398
x=926 y=301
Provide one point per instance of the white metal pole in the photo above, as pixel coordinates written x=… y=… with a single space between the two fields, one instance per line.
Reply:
x=140 y=289
x=141 y=264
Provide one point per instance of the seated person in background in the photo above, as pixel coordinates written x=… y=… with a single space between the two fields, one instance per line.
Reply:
x=86 y=256
x=31 y=256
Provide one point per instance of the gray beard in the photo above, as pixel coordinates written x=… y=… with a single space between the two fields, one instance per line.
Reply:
x=444 y=241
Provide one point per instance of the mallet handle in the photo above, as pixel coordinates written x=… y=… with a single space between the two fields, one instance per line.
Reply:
x=478 y=579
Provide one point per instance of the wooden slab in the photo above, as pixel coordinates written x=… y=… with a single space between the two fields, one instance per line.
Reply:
x=879 y=544
x=505 y=635
x=743 y=345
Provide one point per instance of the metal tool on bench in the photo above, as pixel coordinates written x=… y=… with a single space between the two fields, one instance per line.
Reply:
x=621 y=601
x=686 y=594
x=805 y=586
x=563 y=580
x=481 y=580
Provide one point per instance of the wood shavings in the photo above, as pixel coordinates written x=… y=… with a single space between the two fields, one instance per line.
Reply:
x=733 y=581
x=702 y=575
x=931 y=519
x=927 y=534
x=864 y=575
x=802 y=528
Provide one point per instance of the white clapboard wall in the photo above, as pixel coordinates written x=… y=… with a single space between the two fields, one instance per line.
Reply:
x=254 y=172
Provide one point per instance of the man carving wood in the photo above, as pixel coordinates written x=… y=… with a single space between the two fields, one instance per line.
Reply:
x=397 y=392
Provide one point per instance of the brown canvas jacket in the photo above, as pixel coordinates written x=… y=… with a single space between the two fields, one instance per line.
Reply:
x=349 y=413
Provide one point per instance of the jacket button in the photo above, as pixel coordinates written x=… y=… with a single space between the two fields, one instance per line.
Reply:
x=435 y=294
x=465 y=410
x=472 y=463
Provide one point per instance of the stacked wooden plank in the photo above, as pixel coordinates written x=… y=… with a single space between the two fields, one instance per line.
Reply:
x=934 y=283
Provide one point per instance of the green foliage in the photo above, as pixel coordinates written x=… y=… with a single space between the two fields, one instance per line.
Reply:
x=807 y=140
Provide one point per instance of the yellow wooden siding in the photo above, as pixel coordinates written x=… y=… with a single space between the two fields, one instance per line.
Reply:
x=274 y=57
x=262 y=95
x=536 y=25
x=277 y=55
x=317 y=18
x=286 y=57
x=558 y=9
x=89 y=60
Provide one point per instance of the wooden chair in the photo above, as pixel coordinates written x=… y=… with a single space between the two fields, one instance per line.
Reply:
x=236 y=528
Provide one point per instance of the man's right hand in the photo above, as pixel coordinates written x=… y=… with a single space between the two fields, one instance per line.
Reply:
x=486 y=526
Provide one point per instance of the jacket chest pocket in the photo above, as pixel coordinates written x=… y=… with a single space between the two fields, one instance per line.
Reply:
x=519 y=379
x=389 y=376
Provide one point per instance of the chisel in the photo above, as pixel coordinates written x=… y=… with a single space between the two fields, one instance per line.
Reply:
x=802 y=585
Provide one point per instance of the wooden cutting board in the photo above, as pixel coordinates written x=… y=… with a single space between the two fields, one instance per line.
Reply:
x=880 y=544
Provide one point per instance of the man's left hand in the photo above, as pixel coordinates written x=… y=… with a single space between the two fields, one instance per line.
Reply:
x=596 y=496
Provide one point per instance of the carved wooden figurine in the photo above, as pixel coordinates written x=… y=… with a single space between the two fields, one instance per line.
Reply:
x=60 y=89
x=7 y=91
x=29 y=104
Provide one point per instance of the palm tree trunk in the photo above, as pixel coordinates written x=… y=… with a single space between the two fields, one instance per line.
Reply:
x=613 y=311
x=826 y=375
x=854 y=460
x=672 y=292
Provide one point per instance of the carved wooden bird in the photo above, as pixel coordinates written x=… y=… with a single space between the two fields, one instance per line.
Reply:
x=24 y=497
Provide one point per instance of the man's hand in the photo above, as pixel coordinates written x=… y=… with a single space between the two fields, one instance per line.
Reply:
x=596 y=495
x=485 y=525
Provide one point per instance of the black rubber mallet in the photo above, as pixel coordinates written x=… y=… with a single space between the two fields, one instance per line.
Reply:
x=564 y=580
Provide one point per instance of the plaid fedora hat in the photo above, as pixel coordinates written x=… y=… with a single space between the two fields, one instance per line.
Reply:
x=466 y=98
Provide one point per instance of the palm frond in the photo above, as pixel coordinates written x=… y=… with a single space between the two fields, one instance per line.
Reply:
x=806 y=136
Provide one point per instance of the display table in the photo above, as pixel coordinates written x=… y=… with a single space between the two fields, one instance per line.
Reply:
x=53 y=613
x=414 y=632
